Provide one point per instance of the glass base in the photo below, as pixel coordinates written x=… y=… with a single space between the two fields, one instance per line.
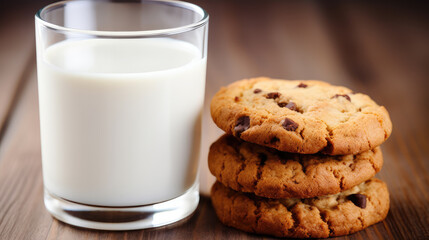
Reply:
x=123 y=218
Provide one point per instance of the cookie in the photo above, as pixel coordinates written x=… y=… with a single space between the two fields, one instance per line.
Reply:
x=301 y=116
x=320 y=217
x=266 y=172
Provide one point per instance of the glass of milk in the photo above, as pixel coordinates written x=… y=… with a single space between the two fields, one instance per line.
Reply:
x=121 y=91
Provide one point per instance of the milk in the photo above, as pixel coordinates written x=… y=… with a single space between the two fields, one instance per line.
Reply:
x=120 y=119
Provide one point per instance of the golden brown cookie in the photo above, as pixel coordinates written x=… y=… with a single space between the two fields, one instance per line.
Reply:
x=301 y=116
x=266 y=172
x=320 y=217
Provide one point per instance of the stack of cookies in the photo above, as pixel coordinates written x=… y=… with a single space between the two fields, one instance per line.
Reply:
x=298 y=158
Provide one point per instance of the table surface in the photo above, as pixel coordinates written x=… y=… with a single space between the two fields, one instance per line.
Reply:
x=377 y=48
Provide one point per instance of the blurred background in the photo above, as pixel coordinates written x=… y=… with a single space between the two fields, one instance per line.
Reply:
x=372 y=47
x=378 y=48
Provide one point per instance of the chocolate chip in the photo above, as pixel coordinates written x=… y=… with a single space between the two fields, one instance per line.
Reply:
x=273 y=95
x=342 y=95
x=257 y=90
x=282 y=104
x=274 y=140
x=302 y=85
x=236 y=99
x=289 y=124
x=242 y=124
x=291 y=106
x=262 y=156
x=358 y=200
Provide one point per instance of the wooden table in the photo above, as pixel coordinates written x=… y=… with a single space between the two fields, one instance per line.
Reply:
x=377 y=48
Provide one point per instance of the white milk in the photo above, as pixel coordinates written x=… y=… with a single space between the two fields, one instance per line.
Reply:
x=120 y=119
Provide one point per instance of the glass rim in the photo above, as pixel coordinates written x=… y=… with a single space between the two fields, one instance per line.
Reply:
x=139 y=33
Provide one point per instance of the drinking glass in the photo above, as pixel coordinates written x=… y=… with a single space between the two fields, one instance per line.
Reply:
x=121 y=91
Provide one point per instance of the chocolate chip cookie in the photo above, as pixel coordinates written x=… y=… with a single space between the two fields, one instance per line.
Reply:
x=301 y=116
x=266 y=172
x=320 y=217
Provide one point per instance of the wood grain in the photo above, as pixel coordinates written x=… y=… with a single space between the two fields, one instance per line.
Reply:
x=17 y=49
x=377 y=48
